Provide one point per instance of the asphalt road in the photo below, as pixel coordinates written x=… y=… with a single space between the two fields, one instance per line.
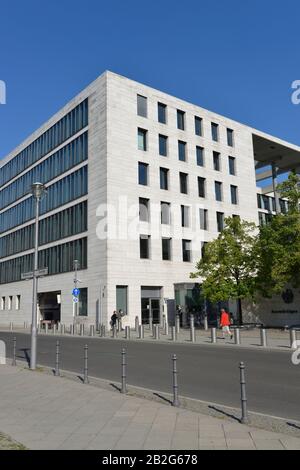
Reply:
x=207 y=373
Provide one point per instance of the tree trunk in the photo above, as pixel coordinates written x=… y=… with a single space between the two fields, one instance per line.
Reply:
x=239 y=312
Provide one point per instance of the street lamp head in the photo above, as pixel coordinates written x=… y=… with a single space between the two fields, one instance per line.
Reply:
x=37 y=190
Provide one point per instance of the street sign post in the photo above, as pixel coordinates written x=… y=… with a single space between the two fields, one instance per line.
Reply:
x=38 y=273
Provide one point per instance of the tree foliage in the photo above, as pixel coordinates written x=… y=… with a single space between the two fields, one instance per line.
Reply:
x=229 y=265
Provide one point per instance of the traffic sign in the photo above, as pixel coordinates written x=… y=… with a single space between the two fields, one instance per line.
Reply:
x=38 y=273
x=75 y=300
x=76 y=292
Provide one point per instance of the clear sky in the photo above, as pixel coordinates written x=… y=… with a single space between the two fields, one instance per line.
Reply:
x=235 y=57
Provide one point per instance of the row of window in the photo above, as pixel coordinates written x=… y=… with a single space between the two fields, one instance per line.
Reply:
x=166 y=245
x=63 y=191
x=69 y=125
x=166 y=219
x=185 y=215
x=58 y=259
x=63 y=224
x=182 y=151
x=162 y=117
x=12 y=303
x=143 y=179
x=268 y=203
x=57 y=164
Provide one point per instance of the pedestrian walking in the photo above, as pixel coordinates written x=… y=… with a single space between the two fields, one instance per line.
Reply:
x=113 y=320
x=225 y=323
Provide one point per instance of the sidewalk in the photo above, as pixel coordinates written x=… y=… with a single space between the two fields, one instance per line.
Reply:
x=276 y=339
x=45 y=412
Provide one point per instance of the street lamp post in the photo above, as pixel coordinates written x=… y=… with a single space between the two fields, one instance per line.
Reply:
x=37 y=191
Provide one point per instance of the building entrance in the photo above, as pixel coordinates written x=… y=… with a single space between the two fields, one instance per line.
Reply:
x=49 y=306
x=151 y=304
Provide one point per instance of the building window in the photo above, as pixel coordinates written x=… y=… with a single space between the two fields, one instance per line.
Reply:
x=142 y=106
x=218 y=191
x=165 y=213
x=203 y=246
x=143 y=173
x=122 y=298
x=215 y=132
x=266 y=202
x=83 y=302
x=185 y=216
x=201 y=186
x=261 y=216
x=162 y=113
x=10 y=302
x=217 y=161
x=2 y=303
x=203 y=219
x=186 y=251
x=18 y=302
x=200 y=156
x=220 y=221
x=183 y=179
x=198 y=126
x=180 y=120
x=144 y=209
x=182 y=151
x=259 y=203
x=145 y=246
x=231 y=164
x=166 y=249
x=230 y=137
x=163 y=145
x=164 y=178
x=142 y=139
x=234 y=194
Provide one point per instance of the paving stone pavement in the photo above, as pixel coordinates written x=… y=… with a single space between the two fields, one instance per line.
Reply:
x=46 y=412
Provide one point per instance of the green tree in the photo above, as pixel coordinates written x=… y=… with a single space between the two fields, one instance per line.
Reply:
x=279 y=243
x=230 y=263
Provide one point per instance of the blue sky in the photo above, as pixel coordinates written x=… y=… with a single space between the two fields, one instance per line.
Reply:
x=236 y=58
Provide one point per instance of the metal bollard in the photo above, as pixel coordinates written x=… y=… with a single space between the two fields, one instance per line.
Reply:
x=245 y=417
x=11 y=326
x=85 y=372
x=62 y=329
x=46 y=328
x=175 y=382
x=127 y=332
x=14 y=361
x=166 y=332
x=137 y=324
x=56 y=372
x=156 y=331
x=115 y=332
x=214 y=335
x=123 y=388
x=151 y=324
x=92 y=330
x=237 y=336
x=173 y=332
x=72 y=330
x=178 y=324
x=103 y=331
x=81 y=329
x=263 y=337
x=164 y=322
x=205 y=323
x=192 y=329
x=54 y=328
x=293 y=338
x=141 y=332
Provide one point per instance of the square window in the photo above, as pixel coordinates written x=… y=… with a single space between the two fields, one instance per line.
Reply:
x=166 y=249
x=231 y=164
x=182 y=151
x=183 y=179
x=186 y=251
x=218 y=191
x=163 y=145
x=215 y=132
x=141 y=106
x=220 y=221
x=142 y=139
x=198 y=126
x=200 y=156
x=162 y=113
x=230 y=137
x=143 y=173
x=180 y=120
x=217 y=161
x=164 y=178
x=203 y=219
x=144 y=246
x=201 y=186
